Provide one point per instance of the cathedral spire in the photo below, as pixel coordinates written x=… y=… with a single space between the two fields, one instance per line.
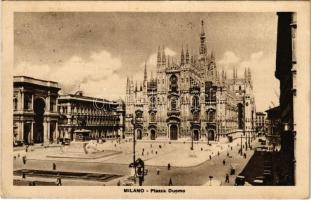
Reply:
x=249 y=74
x=159 y=57
x=245 y=74
x=202 y=40
x=187 y=55
x=127 y=85
x=235 y=74
x=145 y=72
x=163 y=56
x=136 y=86
x=182 y=56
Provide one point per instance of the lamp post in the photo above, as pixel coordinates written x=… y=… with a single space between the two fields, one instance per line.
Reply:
x=191 y=148
x=244 y=118
x=134 y=145
x=241 y=146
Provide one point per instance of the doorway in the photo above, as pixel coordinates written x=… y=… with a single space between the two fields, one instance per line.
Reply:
x=173 y=132
x=39 y=108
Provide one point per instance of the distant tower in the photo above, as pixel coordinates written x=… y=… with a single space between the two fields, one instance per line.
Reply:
x=159 y=59
x=163 y=57
x=235 y=74
x=182 y=57
x=187 y=56
x=145 y=77
x=245 y=75
x=202 y=40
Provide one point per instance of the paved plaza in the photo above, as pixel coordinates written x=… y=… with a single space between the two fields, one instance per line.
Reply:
x=201 y=162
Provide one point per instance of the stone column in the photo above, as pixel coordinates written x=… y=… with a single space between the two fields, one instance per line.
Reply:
x=21 y=130
x=32 y=102
x=31 y=132
x=168 y=132
x=45 y=132
x=22 y=99
x=56 y=130
x=48 y=103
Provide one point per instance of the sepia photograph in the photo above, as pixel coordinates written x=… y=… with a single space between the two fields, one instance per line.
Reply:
x=159 y=99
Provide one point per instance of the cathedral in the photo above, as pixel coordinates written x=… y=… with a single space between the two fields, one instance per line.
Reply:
x=190 y=99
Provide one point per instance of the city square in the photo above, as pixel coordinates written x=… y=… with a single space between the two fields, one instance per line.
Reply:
x=184 y=108
x=183 y=162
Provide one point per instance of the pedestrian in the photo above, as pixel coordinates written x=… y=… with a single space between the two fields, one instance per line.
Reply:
x=119 y=183
x=59 y=180
x=156 y=152
x=210 y=157
x=168 y=166
x=24 y=159
x=224 y=162
x=158 y=171
x=227 y=178
x=231 y=148
x=245 y=155
x=218 y=153
x=201 y=149
x=170 y=183
x=143 y=149
x=54 y=166
x=227 y=154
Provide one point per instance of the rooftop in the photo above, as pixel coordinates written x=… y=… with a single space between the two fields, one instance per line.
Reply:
x=34 y=81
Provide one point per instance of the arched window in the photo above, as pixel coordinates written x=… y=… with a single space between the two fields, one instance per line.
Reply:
x=174 y=85
x=15 y=103
x=153 y=101
x=152 y=117
x=195 y=103
x=173 y=104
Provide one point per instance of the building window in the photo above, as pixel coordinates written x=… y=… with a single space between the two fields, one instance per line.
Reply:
x=153 y=102
x=173 y=104
x=15 y=103
x=195 y=103
x=27 y=102
x=152 y=117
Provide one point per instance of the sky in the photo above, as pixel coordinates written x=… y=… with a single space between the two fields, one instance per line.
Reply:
x=96 y=51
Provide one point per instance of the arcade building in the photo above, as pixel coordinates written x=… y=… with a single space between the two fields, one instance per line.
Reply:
x=42 y=116
x=190 y=98
x=35 y=110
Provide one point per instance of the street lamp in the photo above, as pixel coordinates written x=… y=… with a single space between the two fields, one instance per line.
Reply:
x=241 y=146
x=244 y=118
x=191 y=148
x=134 y=145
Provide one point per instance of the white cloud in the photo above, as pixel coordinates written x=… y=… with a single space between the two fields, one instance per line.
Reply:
x=229 y=58
x=257 y=55
x=151 y=64
x=94 y=75
x=262 y=69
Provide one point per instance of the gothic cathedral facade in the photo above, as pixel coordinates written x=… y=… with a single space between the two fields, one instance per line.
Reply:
x=191 y=98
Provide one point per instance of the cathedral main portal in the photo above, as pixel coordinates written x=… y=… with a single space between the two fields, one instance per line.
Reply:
x=173 y=132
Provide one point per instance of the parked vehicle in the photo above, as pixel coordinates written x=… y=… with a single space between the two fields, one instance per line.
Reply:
x=240 y=180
